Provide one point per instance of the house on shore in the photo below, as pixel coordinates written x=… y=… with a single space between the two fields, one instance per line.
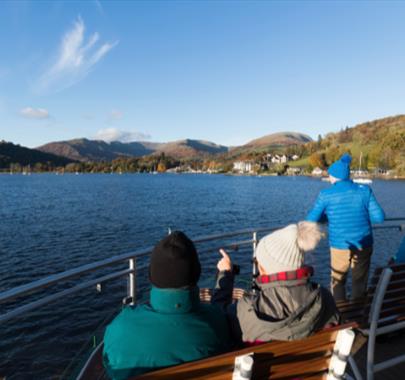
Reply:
x=294 y=171
x=243 y=166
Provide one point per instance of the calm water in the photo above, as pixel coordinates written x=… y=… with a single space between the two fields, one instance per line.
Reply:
x=51 y=223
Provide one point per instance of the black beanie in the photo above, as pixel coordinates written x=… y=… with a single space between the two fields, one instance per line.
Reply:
x=174 y=262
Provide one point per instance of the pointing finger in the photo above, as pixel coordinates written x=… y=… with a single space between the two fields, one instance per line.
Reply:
x=224 y=254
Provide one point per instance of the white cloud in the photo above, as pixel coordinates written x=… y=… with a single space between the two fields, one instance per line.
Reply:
x=75 y=59
x=114 y=134
x=34 y=113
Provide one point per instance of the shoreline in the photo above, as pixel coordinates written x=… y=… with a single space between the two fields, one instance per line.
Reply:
x=390 y=178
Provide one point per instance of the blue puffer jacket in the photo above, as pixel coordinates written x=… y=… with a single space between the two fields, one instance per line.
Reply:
x=350 y=209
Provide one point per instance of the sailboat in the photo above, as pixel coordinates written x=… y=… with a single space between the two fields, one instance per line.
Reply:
x=359 y=175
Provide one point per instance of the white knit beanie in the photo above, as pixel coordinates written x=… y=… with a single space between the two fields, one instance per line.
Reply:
x=283 y=250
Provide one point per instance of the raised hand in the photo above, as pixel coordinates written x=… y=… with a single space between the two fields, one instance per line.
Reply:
x=225 y=263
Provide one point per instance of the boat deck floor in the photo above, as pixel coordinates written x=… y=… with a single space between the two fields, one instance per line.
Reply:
x=386 y=348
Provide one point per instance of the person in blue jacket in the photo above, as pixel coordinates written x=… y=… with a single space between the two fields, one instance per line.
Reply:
x=174 y=327
x=350 y=209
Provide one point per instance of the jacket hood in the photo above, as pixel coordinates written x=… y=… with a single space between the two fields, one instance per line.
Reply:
x=174 y=301
x=283 y=310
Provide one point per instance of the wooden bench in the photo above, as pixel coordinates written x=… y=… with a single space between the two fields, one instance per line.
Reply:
x=308 y=358
x=381 y=312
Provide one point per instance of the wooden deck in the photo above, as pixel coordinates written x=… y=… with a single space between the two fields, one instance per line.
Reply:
x=386 y=347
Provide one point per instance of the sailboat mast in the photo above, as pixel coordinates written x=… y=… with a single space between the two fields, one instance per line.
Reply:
x=361 y=154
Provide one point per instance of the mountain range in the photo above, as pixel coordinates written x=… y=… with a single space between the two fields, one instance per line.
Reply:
x=380 y=142
x=85 y=150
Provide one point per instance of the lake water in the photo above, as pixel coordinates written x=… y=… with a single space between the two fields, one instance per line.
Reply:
x=52 y=223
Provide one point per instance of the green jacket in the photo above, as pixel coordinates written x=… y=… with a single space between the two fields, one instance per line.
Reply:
x=172 y=329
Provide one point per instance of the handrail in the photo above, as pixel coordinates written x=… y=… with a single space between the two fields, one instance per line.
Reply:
x=55 y=278
x=52 y=279
x=53 y=297
x=397 y=219
x=235 y=233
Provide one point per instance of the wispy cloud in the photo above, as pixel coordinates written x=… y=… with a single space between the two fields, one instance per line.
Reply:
x=34 y=113
x=75 y=59
x=114 y=134
x=99 y=6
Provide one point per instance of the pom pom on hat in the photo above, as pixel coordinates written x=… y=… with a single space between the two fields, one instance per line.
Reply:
x=341 y=168
x=346 y=158
x=283 y=250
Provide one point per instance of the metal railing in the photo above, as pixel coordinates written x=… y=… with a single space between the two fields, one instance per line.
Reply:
x=132 y=259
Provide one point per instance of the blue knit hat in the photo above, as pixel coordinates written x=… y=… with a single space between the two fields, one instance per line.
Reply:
x=341 y=168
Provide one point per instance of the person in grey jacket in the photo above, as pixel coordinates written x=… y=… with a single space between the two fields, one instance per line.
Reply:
x=287 y=305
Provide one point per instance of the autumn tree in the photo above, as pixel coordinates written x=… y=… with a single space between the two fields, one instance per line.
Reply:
x=317 y=160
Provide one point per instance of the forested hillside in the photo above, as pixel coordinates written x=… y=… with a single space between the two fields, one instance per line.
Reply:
x=381 y=142
x=17 y=156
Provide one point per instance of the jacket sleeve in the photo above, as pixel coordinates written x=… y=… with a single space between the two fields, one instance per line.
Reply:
x=317 y=214
x=375 y=211
x=222 y=298
x=222 y=295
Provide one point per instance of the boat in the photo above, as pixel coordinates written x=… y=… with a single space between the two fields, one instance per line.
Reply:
x=360 y=176
x=74 y=280
x=363 y=181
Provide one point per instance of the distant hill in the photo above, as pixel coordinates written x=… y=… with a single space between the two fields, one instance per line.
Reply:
x=279 y=139
x=184 y=149
x=16 y=154
x=96 y=150
x=274 y=141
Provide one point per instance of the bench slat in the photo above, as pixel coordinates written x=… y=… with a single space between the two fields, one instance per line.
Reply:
x=308 y=358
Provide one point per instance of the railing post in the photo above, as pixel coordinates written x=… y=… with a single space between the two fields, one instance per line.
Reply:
x=254 y=265
x=132 y=281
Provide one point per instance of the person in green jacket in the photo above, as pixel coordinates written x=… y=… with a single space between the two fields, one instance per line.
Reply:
x=174 y=327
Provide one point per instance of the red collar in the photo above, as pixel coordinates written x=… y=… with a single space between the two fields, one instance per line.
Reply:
x=299 y=274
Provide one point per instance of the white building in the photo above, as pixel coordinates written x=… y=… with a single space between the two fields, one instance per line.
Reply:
x=276 y=159
x=243 y=166
x=294 y=171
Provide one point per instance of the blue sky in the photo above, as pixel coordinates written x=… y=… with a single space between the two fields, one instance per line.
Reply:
x=226 y=71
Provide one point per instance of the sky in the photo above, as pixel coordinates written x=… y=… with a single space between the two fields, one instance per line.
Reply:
x=223 y=71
